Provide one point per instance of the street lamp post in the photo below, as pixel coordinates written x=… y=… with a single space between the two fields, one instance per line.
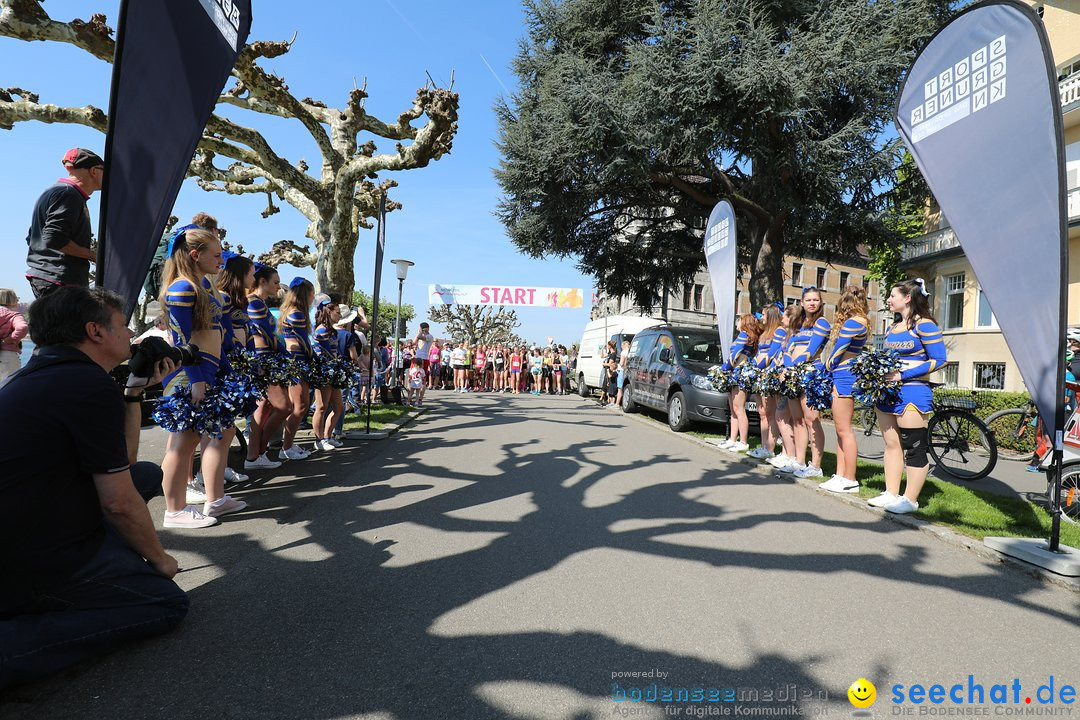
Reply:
x=402 y=268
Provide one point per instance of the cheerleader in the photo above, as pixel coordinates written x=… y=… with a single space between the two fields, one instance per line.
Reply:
x=813 y=331
x=272 y=411
x=767 y=350
x=231 y=283
x=328 y=406
x=784 y=424
x=849 y=337
x=917 y=340
x=295 y=327
x=744 y=347
x=194 y=309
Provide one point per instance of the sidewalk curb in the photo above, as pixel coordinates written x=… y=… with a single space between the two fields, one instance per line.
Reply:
x=942 y=533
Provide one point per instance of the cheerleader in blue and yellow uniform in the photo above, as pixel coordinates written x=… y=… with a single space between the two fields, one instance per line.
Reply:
x=744 y=347
x=814 y=331
x=785 y=404
x=329 y=406
x=193 y=307
x=917 y=340
x=850 y=335
x=295 y=327
x=764 y=359
x=273 y=410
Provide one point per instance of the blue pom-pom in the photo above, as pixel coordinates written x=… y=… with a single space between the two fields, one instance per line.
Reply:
x=817 y=388
x=746 y=377
x=768 y=382
x=721 y=379
x=794 y=380
x=870 y=368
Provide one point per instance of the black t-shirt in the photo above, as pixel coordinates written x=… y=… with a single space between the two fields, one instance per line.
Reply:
x=60 y=425
x=60 y=216
x=500 y=359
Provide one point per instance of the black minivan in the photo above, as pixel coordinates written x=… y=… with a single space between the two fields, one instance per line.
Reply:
x=667 y=371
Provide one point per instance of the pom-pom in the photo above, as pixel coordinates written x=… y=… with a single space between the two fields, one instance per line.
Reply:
x=281 y=369
x=746 y=377
x=817 y=387
x=870 y=368
x=768 y=383
x=720 y=378
x=213 y=416
x=794 y=380
x=313 y=371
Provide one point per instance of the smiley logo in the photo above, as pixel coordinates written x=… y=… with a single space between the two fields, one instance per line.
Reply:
x=862 y=693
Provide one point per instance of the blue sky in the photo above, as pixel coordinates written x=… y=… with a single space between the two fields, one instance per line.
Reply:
x=446 y=226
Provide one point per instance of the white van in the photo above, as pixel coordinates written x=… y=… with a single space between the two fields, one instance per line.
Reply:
x=590 y=357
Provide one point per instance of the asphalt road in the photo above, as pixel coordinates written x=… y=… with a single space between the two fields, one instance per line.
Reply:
x=513 y=557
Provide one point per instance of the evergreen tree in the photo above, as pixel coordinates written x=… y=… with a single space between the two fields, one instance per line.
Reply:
x=635 y=116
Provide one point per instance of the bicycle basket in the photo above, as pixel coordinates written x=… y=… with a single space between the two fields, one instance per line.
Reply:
x=960 y=399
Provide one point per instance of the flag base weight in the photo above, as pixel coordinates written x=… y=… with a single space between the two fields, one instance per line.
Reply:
x=1066 y=561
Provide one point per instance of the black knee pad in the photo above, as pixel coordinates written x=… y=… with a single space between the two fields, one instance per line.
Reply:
x=913 y=440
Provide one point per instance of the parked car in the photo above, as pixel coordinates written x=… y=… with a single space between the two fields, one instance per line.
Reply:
x=590 y=358
x=667 y=371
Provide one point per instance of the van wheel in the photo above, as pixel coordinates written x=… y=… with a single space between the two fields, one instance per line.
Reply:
x=628 y=405
x=677 y=419
x=582 y=388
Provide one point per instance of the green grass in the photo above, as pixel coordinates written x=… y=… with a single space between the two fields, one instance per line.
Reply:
x=968 y=511
x=381 y=416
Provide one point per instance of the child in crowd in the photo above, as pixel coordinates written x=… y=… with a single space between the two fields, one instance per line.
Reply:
x=417 y=377
x=13 y=329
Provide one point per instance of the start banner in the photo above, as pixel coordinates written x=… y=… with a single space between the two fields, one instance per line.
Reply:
x=506 y=295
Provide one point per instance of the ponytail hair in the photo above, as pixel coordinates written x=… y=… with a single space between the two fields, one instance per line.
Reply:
x=230 y=280
x=297 y=299
x=852 y=304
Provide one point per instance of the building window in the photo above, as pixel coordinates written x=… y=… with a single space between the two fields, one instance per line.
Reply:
x=821 y=274
x=950 y=374
x=954 y=300
x=792 y=301
x=688 y=291
x=989 y=376
x=866 y=284
x=699 y=297
x=844 y=277
x=796 y=274
x=986 y=315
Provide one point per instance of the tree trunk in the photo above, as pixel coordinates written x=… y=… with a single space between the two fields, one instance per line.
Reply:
x=767 y=267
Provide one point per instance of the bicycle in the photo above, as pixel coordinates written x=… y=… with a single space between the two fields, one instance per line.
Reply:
x=959 y=442
x=1015 y=431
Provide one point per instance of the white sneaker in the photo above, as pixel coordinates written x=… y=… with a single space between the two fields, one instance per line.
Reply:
x=843 y=485
x=791 y=468
x=779 y=461
x=261 y=463
x=885 y=498
x=324 y=444
x=189 y=517
x=196 y=491
x=294 y=453
x=738 y=447
x=224 y=506
x=231 y=476
x=334 y=441
x=721 y=443
x=830 y=483
x=901 y=506
x=809 y=472
x=760 y=453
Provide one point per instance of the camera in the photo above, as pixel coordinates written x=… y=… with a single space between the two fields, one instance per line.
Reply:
x=146 y=355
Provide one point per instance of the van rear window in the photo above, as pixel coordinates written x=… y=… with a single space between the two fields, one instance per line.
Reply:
x=699 y=347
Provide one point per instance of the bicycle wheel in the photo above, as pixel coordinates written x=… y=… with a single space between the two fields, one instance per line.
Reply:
x=1013 y=433
x=1070 y=495
x=961 y=445
x=867 y=433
